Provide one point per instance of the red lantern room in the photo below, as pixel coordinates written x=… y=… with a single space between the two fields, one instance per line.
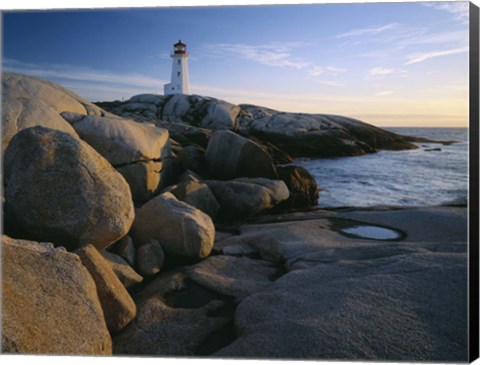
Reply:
x=180 y=48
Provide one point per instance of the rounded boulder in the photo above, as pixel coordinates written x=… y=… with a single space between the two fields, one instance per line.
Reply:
x=180 y=228
x=59 y=189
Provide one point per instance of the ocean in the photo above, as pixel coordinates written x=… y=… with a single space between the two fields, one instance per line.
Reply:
x=398 y=178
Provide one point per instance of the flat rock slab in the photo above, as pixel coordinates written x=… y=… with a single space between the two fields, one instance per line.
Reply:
x=288 y=242
x=308 y=238
x=436 y=224
x=169 y=321
x=347 y=298
x=49 y=302
x=407 y=308
x=238 y=277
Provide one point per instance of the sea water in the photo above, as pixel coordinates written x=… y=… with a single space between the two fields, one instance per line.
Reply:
x=398 y=178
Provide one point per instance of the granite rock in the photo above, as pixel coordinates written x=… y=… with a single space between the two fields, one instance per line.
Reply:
x=118 y=306
x=49 y=302
x=125 y=273
x=149 y=258
x=180 y=228
x=245 y=197
x=59 y=189
x=230 y=155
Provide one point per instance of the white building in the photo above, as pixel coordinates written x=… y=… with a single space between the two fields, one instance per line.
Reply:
x=179 y=79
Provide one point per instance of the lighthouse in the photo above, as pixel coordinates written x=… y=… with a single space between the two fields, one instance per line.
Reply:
x=179 y=79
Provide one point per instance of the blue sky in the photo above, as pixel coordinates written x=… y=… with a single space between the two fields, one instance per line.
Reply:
x=389 y=64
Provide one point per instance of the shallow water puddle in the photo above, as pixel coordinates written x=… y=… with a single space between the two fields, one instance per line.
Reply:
x=372 y=232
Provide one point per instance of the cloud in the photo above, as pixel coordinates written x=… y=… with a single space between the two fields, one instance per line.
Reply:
x=273 y=54
x=420 y=57
x=89 y=83
x=80 y=74
x=384 y=71
x=384 y=93
x=459 y=9
x=380 y=71
x=455 y=37
x=101 y=92
x=317 y=71
x=367 y=31
x=329 y=70
x=414 y=120
x=335 y=70
x=334 y=83
x=399 y=36
x=276 y=55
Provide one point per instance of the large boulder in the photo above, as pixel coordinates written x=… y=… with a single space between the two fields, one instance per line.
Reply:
x=192 y=158
x=125 y=273
x=118 y=306
x=198 y=195
x=120 y=141
x=125 y=249
x=135 y=149
x=220 y=115
x=180 y=228
x=282 y=134
x=144 y=177
x=151 y=99
x=321 y=135
x=59 y=189
x=29 y=101
x=229 y=156
x=194 y=110
x=49 y=302
x=189 y=176
x=278 y=155
x=200 y=111
x=149 y=258
x=185 y=134
x=245 y=197
x=302 y=186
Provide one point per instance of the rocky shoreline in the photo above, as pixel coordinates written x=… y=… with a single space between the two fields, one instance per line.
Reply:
x=171 y=226
x=191 y=119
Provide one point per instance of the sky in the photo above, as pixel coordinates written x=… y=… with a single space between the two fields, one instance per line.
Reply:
x=388 y=64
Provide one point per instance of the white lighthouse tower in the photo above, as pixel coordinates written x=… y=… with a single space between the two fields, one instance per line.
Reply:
x=179 y=79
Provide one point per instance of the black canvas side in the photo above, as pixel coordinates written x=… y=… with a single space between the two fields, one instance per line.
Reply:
x=474 y=186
